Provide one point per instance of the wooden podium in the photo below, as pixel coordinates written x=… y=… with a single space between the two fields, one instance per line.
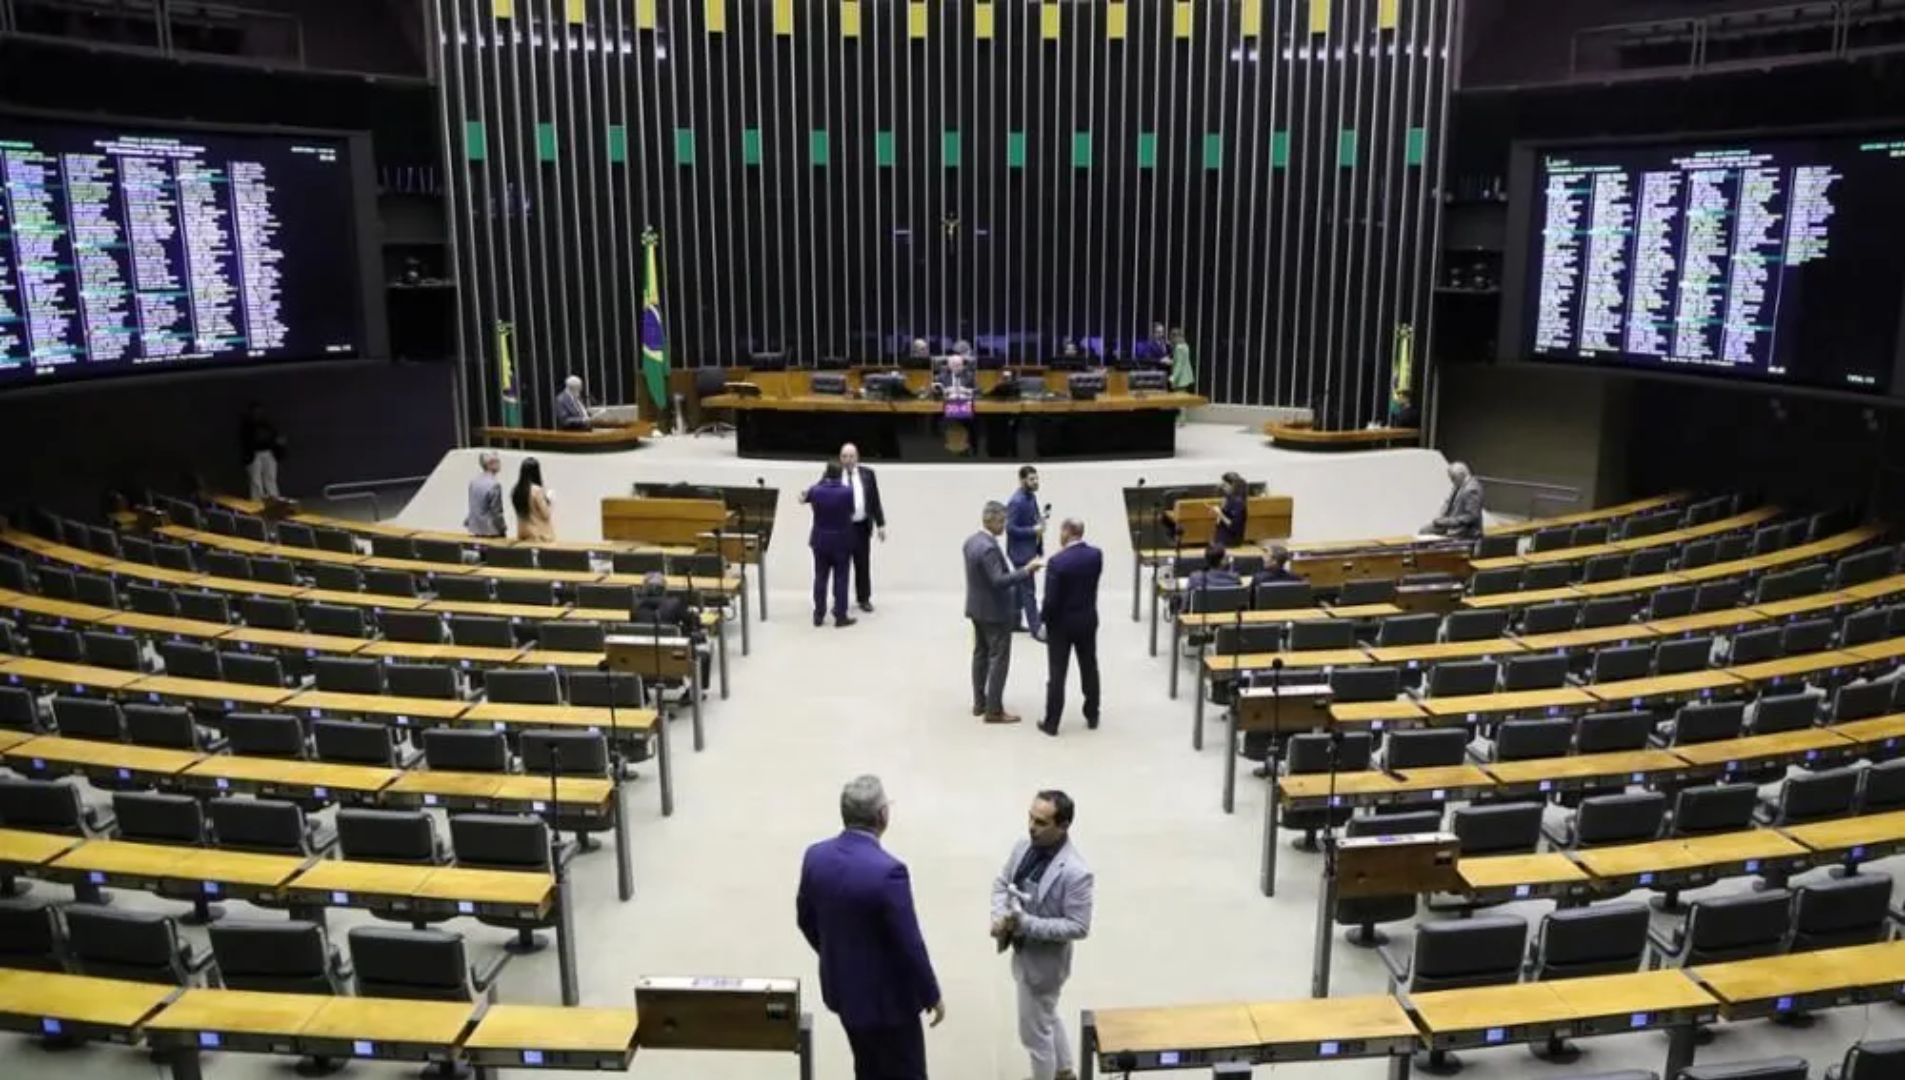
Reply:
x=1269 y=517
x=1396 y=865
x=661 y=521
x=715 y=1013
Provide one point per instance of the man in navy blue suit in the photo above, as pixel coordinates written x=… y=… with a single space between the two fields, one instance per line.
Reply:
x=856 y=910
x=1026 y=536
x=832 y=543
x=1072 y=618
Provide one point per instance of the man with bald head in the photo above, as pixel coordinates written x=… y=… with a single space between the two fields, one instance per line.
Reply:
x=869 y=519
x=1071 y=614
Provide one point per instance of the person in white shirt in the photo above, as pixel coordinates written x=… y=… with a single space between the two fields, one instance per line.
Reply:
x=869 y=520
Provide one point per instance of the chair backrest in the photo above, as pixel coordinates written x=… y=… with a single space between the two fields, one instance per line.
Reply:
x=1231 y=598
x=1453 y=955
x=1282 y=595
x=395 y=836
x=1365 y=591
x=19 y=711
x=1606 y=732
x=1607 y=611
x=1649 y=561
x=1609 y=567
x=1552 y=575
x=1683 y=655
x=275 y=571
x=1607 y=939
x=96 y=590
x=332 y=539
x=294 y=534
x=1816 y=796
x=174 y=557
x=160 y=819
x=529 y=686
x=1875 y=1059
x=1753 y=646
x=266 y=825
x=1423 y=748
x=254 y=669
x=13 y=575
x=638 y=562
x=1321 y=634
x=569 y=753
x=1729 y=548
x=1883 y=787
x=1785 y=712
x=1523 y=740
x=392 y=547
x=1736 y=927
x=466 y=750
x=440 y=551
x=415 y=627
x=30 y=937
x=112 y=943
x=1830 y=913
x=1497 y=547
x=1475 y=625
x=565 y=559
x=1461 y=677
x=55 y=643
x=1622 y=662
x=532 y=593
x=510 y=557
x=1706 y=510
x=1857 y=701
x=347 y=675
x=354 y=743
x=1863 y=566
x=1310 y=754
x=1708 y=721
x=389 y=582
x=1806 y=636
x=1626 y=818
x=112 y=650
x=1539 y=671
x=428 y=965
x=1699 y=553
x=476 y=590
x=289 y=956
x=89 y=718
x=1719 y=595
x=1552 y=538
x=1672 y=601
x=161 y=725
x=274 y=735
x=611 y=597
x=1498 y=828
x=481 y=631
x=149 y=600
x=1549 y=618
x=572 y=635
x=1783 y=585
x=598 y=689
x=248 y=527
x=335 y=576
x=42 y=805
x=337 y=619
x=1235 y=640
x=500 y=841
x=1593 y=532
x=1864 y=626
x=1365 y=683
x=1494 y=582
x=227 y=564
x=203 y=605
x=1714 y=808
x=422 y=681
x=269 y=612
x=1421 y=629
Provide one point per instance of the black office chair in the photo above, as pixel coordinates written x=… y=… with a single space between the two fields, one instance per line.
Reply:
x=391 y=836
x=1320 y=634
x=437 y=551
x=1627 y=818
x=14 y=575
x=1754 y=646
x=389 y=582
x=1620 y=663
x=348 y=675
x=273 y=571
x=1672 y=602
x=336 y=619
x=473 y=590
x=1863 y=566
x=1607 y=611
x=268 y=826
x=1682 y=656
x=31 y=938
x=1649 y=561
x=1365 y=591
x=423 y=965
x=332 y=539
x=1883 y=788
x=248 y=527
x=1575 y=943
x=466 y=750
x=204 y=606
x=1862 y=627
x=1461 y=678
x=56 y=643
x=1494 y=582
x=1540 y=671
x=1549 y=618
x=227 y=564
x=1498 y=828
x=1425 y=748
x=1699 y=553
x=1282 y=595
x=512 y=558
x=481 y=631
x=1468 y=625
x=1714 y=808
x=1553 y=575
x=1719 y=595
x=269 y=613
x=392 y=547
x=1239 y=640
x=142 y=946
x=1784 y=585
x=294 y=534
x=529 y=593
x=607 y=597
x=335 y=577
x=572 y=635
x=1312 y=755
x=1602 y=568
x=351 y=742
x=554 y=558
x=1525 y=740
x=174 y=557
x=1702 y=721
x=1364 y=683
x=1497 y=547
x=1365 y=914
x=1723 y=928
x=1608 y=732
x=1209 y=601
x=1552 y=538
x=1423 y=629
x=638 y=562
x=254 y=669
x=1785 y=712
x=179 y=820
x=1872 y=1059
x=119 y=651
x=278 y=957
x=170 y=726
x=19 y=711
x=1484 y=951
x=1593 y=532
x=535 y=686
x=1731 y=548
x=422 y=681
x=89 y=718
x=1812 y=796
x=148 y=600
x=95 y=589
x=511 y=842
x=1836 y=912
x=413 y=627
x=1806 y=636
x=274 y=735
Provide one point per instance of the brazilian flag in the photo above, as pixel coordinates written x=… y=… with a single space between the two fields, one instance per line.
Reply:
x=509 y=386
x=653 y=330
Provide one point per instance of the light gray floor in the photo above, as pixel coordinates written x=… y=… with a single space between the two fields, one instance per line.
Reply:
x=1178 y=918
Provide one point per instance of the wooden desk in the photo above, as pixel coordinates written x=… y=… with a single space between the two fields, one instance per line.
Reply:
x=1582 y=771
x=341 y=883
x=1592 y=637
x=498 y=791
x=167 y=626
x=1367 y=1025
x=104 y=761
x=1525 y=598
x=1882 y=732
x=1442 y=651
x=1377 y=715
x=1889 y=649
x=67 y=611
x=1599 y=1005
x=1800 y=982
x=1569 y=554
x=121 y=862
x=1416 y=787
x=1628 y=585
x=538 y=612
x=362 y=599
x=417 y=566
x=82 y=677
x=464 y=655
x=1520 y=877
x=1352 y=439
x=1690 y=862
x=1657 y=688
x=555 y=1037
x=1802 y=605
x=163 y=575
x=1194 y=620
x=356 y=1027
x=1808 y=666
x=242 y=1020
x=560 y=658
x=458 y=890
x=224 y=695
x=1894 y=585
x=1853 y=840
x=24 y=849
x=1180 y=1036
x=248 y=587
x=79 y=1006
x=291 y=779
x=1707 y=621
x=262 y=873
x=296 y=641
x=1731 y=756
x=399 y=711
x=1218 y=664
x=500 y=717
x=1472 y=708
x=1605 y=513
x=576 y=577
x=10 y=739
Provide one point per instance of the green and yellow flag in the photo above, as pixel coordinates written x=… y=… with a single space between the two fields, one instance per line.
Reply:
x=653 y=329
x=509 y=386
x=1402 y=358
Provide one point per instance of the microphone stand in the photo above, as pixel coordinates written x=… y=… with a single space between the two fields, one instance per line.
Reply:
x=563 y=895
x=617 y=766
x=760 y=541
x=1139 y=539
x=1270 y=827
x=1323 y=919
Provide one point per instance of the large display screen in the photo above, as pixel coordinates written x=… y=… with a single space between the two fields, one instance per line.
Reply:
x=126 y=248
x=1768 y=259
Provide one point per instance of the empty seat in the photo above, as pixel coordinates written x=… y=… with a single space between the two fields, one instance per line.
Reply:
x=522 y=687
x=30 y=935
x=1607 y=611
x=1725 y=928
x=1366 y=913
x=19 y=711
x=1813 y=796
x=335 y=577
x=89 y=718
x=1831 y=913
x=480 y=631
x=174 y=557
x=1753 y=646
x=1719 y=595
x=1591 y=533
x=517 y=843
x=1607 y=939
x=148 y=600
x=227 y=564
x=1863 y=566
x=1860 y=700
x=354 y=743
x=338 y=620
x=1626 y=818
x=328 y=538
x=1784 y=585
x=1498 y=828
x=1731 y=548
x=1607 y=567
x=1672 y=602
x=1494 y=582
x=1649 y=561
x=1364 y=683
x=112 y=650
x=1365 y=591
x=160 y=819
x=1316 y=755
x=171 y=726
x=294 y=534
x=253 y=669
x=1419 y=749
x=1862 y=627
x=1785 y=712
x=1269 y=596
x=269 y=613
x=1460 y=678
x=139 y=945
x=1684 y=655
x=429 y=965
x=96 y=590
x=1549 y=618
x=392 y=547
x=1524 y=740
x=422 y=681
x=347 y=675
x=1227 y=640
x=511 y=557
x=49 y=806
x=1497 y=547
x=274 y=735
x=248 y=527
x=567 y=753
x=393 y=836
x=605 y=597
x=13 y=575
x=1622 y=662
x=1714 y=808
x=640 y=562
x=56 y=583
x=466 y=750
x=277 y=957
x=1553 y=575
x=529 y=593
x=553 y=558
x=466 y=589
x=1604 y=733
x=1883 y=787
x=1474 y=625
x=203 y=605
x=595 y=689
x=266 y=825
x=56 y=643
x=439 y=551
x=388 y=582
x=1209 y=600
x=1423 y=629
x=273 y=571
x=1700 y=722
x=1872 y=1059
x=581 y=636
x=1456 y=955
x=413 y=627
x=1806 y=636
x=1542 y=671
x=1552 y=538
x=1699 y=553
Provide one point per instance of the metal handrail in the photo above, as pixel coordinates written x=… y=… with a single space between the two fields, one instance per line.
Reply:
x=1537 y=492
x=366 y=489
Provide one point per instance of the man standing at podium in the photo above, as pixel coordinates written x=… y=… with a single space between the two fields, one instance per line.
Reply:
x=832 y=543
x=868 y=518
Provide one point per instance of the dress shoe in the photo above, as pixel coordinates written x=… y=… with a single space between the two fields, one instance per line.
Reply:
x=842 y=620
x=866 y=606
x=1093 y=722
x=1045 y=728
x=819 y=619
x=1001 y=718
x=979 y=710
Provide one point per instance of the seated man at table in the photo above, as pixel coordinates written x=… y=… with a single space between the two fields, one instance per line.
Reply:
x=654 y=605
x=956 y=379
x=1273 y=566
x=570 y=408
x=1460 y=515
x=1218 y=575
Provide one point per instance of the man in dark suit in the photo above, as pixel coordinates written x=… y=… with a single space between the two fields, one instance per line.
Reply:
x=869 y=519
x=991 y=578
x=1072 y=617
x=1273 y=567
x=832 y=543
x=856 y=909
x=1026 y=537
x=1460 y=516
x=653 y=605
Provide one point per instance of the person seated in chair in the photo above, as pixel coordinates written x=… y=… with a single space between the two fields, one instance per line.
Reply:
x=956 y=379
x=1273 y=566
x=654 y=605
x=570 y=409
x=1218 y=575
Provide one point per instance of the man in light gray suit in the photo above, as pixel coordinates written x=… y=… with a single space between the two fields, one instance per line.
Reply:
x=486 y=508
x=1042 y=904
x=1461 y=515
x=991 y=606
